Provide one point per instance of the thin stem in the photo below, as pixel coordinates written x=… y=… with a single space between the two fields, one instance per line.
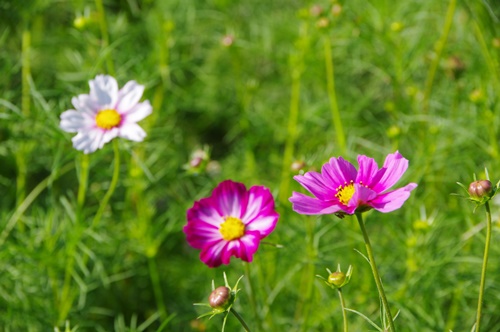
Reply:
x=330 y=81
x=29 y=199
x=83 y=180
x=376 y=275
x=241 y=320
x=253 y=301
x=342 y=305
x=297 y=62
x=155 y=280
x=104 y=34
x=112 y=186
x=485 y=263
x=439 y=52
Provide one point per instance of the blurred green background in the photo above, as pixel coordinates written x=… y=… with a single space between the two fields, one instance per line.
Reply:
x=257 y=85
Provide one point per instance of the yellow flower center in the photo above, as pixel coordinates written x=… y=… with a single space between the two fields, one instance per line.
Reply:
x=231 y=229
x=107 y=119
x=345 y=192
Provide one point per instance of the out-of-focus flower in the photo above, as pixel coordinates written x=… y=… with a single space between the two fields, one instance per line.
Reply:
x=106 y=113
x=341 y=189
x=231 y=222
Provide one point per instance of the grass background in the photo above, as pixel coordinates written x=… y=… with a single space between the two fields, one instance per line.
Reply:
x=420 y=77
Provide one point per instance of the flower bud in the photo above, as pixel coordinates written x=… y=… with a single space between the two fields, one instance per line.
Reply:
x=337 y=279
x=480 y=188
x=220 y=298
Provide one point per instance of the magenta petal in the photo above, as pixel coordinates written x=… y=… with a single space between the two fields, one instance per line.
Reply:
x=338 y=172
x=304 y=204
x=392 y=200
x=316 y=184
x=362 y=196
x=212 y=253
x=368 y=169
x=260 y=215
x=230 y=198
x=394 y=167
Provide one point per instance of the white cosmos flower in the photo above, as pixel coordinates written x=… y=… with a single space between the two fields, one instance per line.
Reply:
x=106 y=113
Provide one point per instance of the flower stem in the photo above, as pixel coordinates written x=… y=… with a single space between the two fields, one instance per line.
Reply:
x=83 y=179
x=112 y=186
x=330 y=80
x=485 y=263
x=242 y=321
x=439 y=52
x=155 y=280
x=251 y=289
x=104 y=35
x=342 y=305
x=376 y=276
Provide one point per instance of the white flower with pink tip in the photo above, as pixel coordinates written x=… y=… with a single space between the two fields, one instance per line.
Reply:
x=106 y=113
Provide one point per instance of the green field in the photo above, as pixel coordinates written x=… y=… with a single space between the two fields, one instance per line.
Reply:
x=259 y=86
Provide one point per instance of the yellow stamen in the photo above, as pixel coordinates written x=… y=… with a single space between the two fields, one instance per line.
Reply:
x=231 y=229
x=107 y=119
x=345 y=192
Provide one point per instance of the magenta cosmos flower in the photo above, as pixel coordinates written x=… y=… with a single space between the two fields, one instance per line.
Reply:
x=341 y=189
x=231 y=222
x=106 y=113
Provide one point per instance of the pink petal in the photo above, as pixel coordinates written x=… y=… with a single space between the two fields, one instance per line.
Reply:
x=394 y=167
x=321 y=187
x=260 y=215
x=392 y=200
x=304 y=204
x=362 y=195
x=230 y=198
x=212 y=253
x=368 y=169
x=338 y=171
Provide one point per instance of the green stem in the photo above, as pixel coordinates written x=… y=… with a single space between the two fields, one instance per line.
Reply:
x=83 y=180
x=330 y=81
x=240 y=319
x=155 y=280
x=104 y=34
x=376 y=275
x=342 y=305
x=112 y=186
x=485 y=263
x=253 y=301
x=29 y=199
x=297 y=67
x=439 y=52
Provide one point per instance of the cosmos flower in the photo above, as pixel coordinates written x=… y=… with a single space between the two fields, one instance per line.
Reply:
x=106 y=113
x=231 y=222
x=341 y=189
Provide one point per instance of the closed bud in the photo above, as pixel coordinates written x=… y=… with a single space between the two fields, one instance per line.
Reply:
x=220 y=298
x=337 y=278
x=480 y=188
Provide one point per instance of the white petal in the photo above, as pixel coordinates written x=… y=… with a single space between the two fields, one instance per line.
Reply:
x=104 y=91
x=71 y=121
x=132 y=132
x=129 y=96
x=139 y=112
x=83 y=103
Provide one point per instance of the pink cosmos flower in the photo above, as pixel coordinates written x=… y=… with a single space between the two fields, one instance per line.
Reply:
x=341 y=189
x=231 y=222
x=106 y=113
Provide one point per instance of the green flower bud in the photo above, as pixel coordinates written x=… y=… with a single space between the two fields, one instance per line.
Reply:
x=220 y=298
x=337 y=278
x=480 y=189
